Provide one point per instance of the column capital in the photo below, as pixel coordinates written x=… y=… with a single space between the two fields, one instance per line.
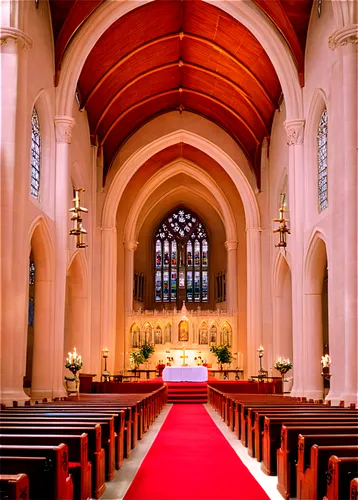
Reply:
x=231 y=245
x=294 y=130
x=63 y=127
x=16 y=35
x=130 y=245
x=343 y=36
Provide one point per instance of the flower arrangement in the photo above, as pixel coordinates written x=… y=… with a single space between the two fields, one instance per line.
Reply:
x=136 y=358
x=283 y=365
x=326 y=361
x=146 y=350
x=74 y=361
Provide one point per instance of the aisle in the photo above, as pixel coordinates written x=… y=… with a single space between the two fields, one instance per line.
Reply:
x=191 y=460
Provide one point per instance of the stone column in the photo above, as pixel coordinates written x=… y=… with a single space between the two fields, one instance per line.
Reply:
x=63 y=128
x=345 y=42
x=129 y=248
x=231 y=276
x=254 y=299
x=12 y=361
x=312 y=348
x=109 y=293
x=294 y=130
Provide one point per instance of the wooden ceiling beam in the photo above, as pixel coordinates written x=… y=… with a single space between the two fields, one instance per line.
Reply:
x=181 y=63
x=172 y=92
x=181 y=35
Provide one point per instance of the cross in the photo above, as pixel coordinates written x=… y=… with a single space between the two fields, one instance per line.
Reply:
x=183 y=356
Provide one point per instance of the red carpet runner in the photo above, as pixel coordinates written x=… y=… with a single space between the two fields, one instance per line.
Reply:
x=191 y=460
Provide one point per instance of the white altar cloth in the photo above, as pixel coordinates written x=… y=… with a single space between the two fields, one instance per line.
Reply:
x=185 y=374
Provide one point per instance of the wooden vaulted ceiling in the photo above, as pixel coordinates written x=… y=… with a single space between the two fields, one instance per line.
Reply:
x=180 y=55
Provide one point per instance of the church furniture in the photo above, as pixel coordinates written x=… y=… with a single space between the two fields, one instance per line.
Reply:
x=86 y=382
x=339 y=474
x=272 y=434
x=79 y=466
x=226 y=373
x=353 y=489
x=95 y=451
x=147 y=372
x=48 y=463
x=14 y=486
x=287 y=454
x=185 y=374
x=312 y=483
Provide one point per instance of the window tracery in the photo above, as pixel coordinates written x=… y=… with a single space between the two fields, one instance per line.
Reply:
x=35 y=155
x=322 y=153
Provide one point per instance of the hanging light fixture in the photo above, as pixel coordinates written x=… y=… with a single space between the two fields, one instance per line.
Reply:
x=76 y=218
x=282 y=229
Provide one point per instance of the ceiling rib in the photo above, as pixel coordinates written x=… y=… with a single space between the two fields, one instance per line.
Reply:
x=170 y=92
x=181 y=35
x=180 y=63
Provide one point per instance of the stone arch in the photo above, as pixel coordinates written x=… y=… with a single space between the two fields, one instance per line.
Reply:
x=213 y=333
x=147 y=333
x=254 y=19
x=315 y=265
x=134 y=335
x=318 y=103
x=180 y=166
x=282 y=309
x=203 y=333
x=76 y=307
x=43 y=345
x=42 y=103
x=158 y=336
x=226 y=333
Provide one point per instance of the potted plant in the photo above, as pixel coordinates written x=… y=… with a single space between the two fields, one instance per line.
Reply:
x=146 y=350
x=74 y=364
x=283 y=365
x=222 y=353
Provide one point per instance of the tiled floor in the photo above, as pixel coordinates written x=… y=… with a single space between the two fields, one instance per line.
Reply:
x=117 y=488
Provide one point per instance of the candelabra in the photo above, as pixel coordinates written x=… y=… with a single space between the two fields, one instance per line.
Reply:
x=76 y=218
x=326 y=366
x=262 y=373
x=105 y=373
x=282 y=228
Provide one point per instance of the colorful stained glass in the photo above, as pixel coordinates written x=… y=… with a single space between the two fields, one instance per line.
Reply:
x=32 y=273
x=205 y=253
x=189 y=253
x=197 y=253
x=181 y=279
x=166 y=253
x=174 y=253
x=35 y=155
x=189 y=286
x=158 y=286
x=322 y=154
x=173 y=284
x=31 y=311
x=197 y=286
x=166 y=286
x=158 y=254
x=204 y=291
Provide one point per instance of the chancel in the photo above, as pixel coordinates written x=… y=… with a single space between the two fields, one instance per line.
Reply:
x=179 y=202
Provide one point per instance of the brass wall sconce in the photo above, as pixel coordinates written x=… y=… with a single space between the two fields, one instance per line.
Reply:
x=76 y=218
x=282 y=228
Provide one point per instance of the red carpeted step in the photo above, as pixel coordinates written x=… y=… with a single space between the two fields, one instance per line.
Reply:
x=187 y=392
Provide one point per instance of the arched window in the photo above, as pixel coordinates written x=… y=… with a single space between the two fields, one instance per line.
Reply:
x=181 y=259
x=322 y=147
x=35 y=155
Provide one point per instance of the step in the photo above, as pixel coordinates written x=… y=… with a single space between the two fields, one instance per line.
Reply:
x=188 y=401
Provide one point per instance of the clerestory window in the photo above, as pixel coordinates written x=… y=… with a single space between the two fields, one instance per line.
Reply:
x=322 y=153
x=181 y=259
x=35 y=155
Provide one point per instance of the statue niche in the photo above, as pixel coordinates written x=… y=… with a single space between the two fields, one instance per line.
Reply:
x=203 y=334
x=183 y=331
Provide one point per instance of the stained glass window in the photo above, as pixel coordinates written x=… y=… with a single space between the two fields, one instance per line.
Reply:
x=35 y=155
x=181 y=259
x=322 y=147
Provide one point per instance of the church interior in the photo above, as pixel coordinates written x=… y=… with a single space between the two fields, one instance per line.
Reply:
x=178 y=244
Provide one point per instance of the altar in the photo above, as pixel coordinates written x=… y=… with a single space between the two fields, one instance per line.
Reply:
x=185 y=374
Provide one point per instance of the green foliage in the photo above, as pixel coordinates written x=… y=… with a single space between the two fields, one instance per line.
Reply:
x=136 y=358
x=283 y=365
x=222 y=353
x=75 y=366
x=146 y=350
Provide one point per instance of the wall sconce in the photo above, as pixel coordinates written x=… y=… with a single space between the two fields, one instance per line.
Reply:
x=76 y=218
x=105 y=374
x=282 y=228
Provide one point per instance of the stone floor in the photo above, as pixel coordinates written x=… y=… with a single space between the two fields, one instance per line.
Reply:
x=117 y=488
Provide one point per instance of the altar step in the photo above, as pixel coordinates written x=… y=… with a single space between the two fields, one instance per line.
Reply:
x=187 y=392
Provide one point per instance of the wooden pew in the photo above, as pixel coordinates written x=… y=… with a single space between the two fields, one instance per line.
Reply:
x=46 y=467
x=354 y=489
x=95 y=451
x=14 y=486
x=272 y=434
x=107 y=434
x=313 y=482
x=339 y=474
x=79 y=466
x=287 y=455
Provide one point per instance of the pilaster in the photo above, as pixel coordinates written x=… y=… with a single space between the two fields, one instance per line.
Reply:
x=231 y=275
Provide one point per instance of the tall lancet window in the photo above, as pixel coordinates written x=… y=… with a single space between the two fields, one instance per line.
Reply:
x=322 y=150
x=181 y=259
x=35 y=155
